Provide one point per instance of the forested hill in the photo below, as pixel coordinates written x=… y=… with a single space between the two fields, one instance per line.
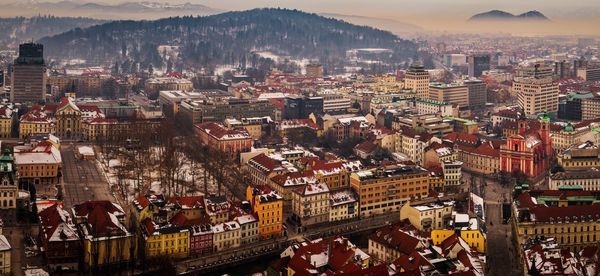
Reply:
x=15 y=30
x=223 y=38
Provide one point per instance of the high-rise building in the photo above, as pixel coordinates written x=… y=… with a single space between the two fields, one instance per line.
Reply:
x=314 y=70
x=569 y=107
x=589 y=73
x=29 y=75
x=452 y=93
x=417 y=80
x=536 y=95
x=537 y=71
x=477 y=93
x=478 y=64
x=1 y=77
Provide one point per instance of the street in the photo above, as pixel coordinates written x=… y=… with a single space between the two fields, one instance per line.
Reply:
x=82 y=179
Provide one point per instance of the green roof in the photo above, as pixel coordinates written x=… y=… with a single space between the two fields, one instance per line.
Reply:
x=575 y=95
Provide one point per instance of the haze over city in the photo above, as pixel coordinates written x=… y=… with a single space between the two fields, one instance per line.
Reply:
x=403 y=16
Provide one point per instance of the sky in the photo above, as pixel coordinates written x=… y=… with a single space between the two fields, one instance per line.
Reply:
x=577 y=16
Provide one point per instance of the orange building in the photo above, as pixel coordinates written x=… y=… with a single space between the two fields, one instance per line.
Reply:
x=528 y=152
x=267 y=206
x=229 y=141
x=386 y=189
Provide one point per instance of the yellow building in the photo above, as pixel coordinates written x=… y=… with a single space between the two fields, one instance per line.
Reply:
x=169 y=240
x=428 y=217
x=569 y=216
x=68 y=119
x=40 y=165
x=267 y=206
x=342 y=205
x=386 y=189
x=465 y=227
x=335 y=174
x=7 y=119
x=106 y=241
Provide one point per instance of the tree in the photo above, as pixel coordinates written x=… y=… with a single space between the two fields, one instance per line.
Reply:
x=109 y=88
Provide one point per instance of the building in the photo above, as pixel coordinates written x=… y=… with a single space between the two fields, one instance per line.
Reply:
x=386 y=189
x=226 y=235
x=314 y=70
x=570 y=107
x=228 y=141
x=106 y=241
x=155 y=85
x=453 y=93
x=452 y=173
x=248 y=228
x=589 y=73
x=590 y=108
x=428 y=106
x=286 y=183
x=310 y=204
x=391 y=242
x=483 y=159
x=170 y=100
x=343 y=205
x=267 y=206
x=333 y=255
x=424 y=126
x=478 y=64
x=9 y=189
x=164 y=240
x=587 y=180
x=217 y=110
x=417 y=79
x=334 y=102
x=569 y=135
x=29 y=75
x=528 y=152
x=477 y=91
x=300 y=107
x=544 y=256
x=335 y=174
x=537 y=71
x=580 y=157
x=201 y=239
x=569 y=216
x=465 y=227
x=5 y=256
x=59 y=238
x=217 y=209
x=38 y=120
x=8 y=117
x=39 y=165
x=451 y=60
x=428 y=217
x=536 y=95
x=261 y=168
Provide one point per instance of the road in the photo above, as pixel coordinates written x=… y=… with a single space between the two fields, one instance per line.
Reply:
x=82 y=179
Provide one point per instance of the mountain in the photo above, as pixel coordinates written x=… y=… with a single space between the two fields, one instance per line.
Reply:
x=129 y=10
x=18 y=29
x=502 y=15
x=225 y=39
x=387 y=24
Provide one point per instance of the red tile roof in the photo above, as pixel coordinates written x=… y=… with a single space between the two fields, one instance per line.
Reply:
x=267 y=162
x=219 y=132
x=464 y=138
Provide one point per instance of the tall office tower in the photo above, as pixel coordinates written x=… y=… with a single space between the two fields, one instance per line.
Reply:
x=538 y=71
x=478 y=64
x=453 y=93
x=536 y=95
x=477 y=93
x=417 y=80
x=29 y=75
x=560 y=69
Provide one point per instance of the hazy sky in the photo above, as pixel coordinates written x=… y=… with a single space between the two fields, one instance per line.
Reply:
x=569 y=16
